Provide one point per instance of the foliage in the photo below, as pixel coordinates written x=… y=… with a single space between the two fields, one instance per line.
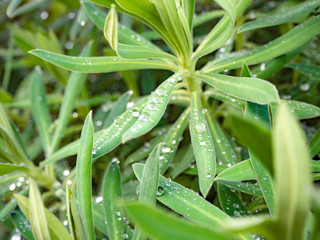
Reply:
x=209 y=128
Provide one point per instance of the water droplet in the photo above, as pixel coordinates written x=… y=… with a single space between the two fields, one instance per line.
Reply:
x=99 y=199
x=208 y=175
x=12 y=187
x=66 y=172
x=98 y=123
x=135 y=114
x=44 y=15
x=160 y=91
x=305 y=87
x=165 y=149
x=160 y=191
x=200 y=127
x=152 y=106
x=144 y=117
x=202 y=143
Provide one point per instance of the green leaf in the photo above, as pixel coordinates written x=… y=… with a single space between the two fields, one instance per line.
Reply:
x=245 y=187
x=171 y=140
x=125 y=35
x=230 y=202
x=142 y=52
x=73 y=215
x=225 y=152
x=163 y=226
x=182 y=161
x=277 y=47
x=301 y=110
x=292 y=183
x=6 y=168
x=99 y=219
x=100 y=64
x=315 y=144
x=56 y=228
x=250 y=132
x=111 y=194
x=255 y=112
x=117 y=109
x=40 y=109
x=230 y=7
x=37 y=215
x=250 y=89
x=149 y=185
x=238 y=172
x=311 y=71
x=83 y=177
x=22 y=224
x=154 y=109
x=111 y=137
x=75 y=84
x=282 y=16
x=185 y=201
x=206 y=17
x=202 y=145
x=111 y=28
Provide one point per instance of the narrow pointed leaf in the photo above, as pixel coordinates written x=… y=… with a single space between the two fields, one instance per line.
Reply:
x=83 y=177
x=171 y=140
x=311 y=71
x=149 y=185
x=292 y=184
x=164 y=226
x=282 y=16
x=111 y=28
x=6 y=168
x=40 y=109
x=22 y=224
x=100 y=64
x=37 y=215
x=56 y=228
x=154 y=109
x=239 y=172
x=202 y=145
x=111 y=194
x=277 y=47
x=250 y=89
x=74 y=86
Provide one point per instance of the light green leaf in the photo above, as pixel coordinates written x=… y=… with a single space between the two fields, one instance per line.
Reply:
x=154 y=109
x=230 y=7
x=206 y=17
x=149 y=185
x=250 y=89
x=111 y=28
x=101 y=64
x=40 y=109
x=22 y=224
x=83 y=177
x=277 y=47
x=142 y=52
x=74 y=86
x=73 y=215
x=301 y=110
x=202 y=145
x=239 y=172
x=311 y=71
x=111 y=194
x=163 y=226
x=6 y=168
x=245 y=187
x=284 y=15
x=111 y=137
x=99 y=219
x=292 y=183
x=56 y=228
x=171 y=140
x=36 y=212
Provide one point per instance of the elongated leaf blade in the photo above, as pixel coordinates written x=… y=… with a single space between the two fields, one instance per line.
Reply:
x=163 y=226
x=154 y=109
x=56 y=228
x=292 y=184
x=40 y=109
x=36 y=212
x=202 y=144
x=311 y=71
x=277 y=47
x=240 y=172
x=111 y=194
x=6 y=168
x=282 y=16
x=100 y=64
x=111 y=28
x=250 y=89
x=83 y=177
x=149 y=185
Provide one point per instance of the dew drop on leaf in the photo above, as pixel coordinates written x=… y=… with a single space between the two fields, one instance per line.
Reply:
x=200 y=127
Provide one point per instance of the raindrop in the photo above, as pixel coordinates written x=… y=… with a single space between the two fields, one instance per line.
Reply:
x=135 y=114
x=305 y=87
x=160 y=91
x=44 y=15
x=66 y=172
x=99 y=199
x=144 y=117
x=152 y=106
x=200 y=127
x=160 y=191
